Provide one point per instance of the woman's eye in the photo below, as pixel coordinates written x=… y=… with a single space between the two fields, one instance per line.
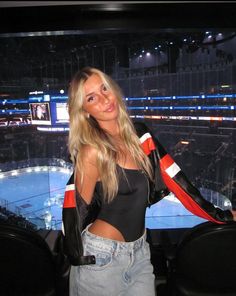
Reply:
x=104 y=88
x=90 y=99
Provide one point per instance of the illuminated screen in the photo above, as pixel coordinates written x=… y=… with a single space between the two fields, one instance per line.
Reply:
x=59 y=113
x=40 y=113
x=62 y=113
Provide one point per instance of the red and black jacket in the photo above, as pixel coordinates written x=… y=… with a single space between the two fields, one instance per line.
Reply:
x=76 y=214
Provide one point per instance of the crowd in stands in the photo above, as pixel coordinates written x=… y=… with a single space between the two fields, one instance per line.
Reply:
x=208 y=159
x=11 y=218
x=28 y=143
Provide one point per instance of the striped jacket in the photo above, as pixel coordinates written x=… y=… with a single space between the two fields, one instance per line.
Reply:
x=76 y=214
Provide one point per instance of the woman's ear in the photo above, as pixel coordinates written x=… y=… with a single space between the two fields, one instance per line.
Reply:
x=86 y=114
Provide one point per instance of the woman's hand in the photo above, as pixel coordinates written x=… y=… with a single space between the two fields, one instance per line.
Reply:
x=234 y=215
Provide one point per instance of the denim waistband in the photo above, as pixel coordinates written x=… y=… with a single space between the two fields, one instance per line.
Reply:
x=113 y=245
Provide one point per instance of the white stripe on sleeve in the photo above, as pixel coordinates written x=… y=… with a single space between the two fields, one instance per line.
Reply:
x=145 y=137
x=173 y=169
x=70 y=187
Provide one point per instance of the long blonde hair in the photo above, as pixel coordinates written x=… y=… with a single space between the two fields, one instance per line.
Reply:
x=86 y=131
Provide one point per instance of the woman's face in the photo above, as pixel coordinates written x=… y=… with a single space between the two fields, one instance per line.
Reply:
x=39 y=112
x=99 y=102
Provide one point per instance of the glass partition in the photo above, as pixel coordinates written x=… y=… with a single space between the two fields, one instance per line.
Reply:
x=182 y=84
x=32 y=192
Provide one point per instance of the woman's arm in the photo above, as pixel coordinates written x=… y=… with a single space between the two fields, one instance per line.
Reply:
x=178 y=183
x=85 y=186
x=77 y=207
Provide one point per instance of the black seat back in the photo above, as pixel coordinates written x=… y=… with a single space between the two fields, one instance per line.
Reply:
x=26 y=263
x=206 y=260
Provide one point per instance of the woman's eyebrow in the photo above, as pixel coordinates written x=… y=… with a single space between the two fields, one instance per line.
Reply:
x=89 y=94
x=93 y=92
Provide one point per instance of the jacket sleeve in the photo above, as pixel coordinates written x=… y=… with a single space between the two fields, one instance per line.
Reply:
x=178 y=183
x=73 y=215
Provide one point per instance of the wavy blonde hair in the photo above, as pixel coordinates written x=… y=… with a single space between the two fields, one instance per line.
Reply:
x=86 y=131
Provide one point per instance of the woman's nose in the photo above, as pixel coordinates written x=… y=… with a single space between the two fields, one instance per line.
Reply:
x=104 y=98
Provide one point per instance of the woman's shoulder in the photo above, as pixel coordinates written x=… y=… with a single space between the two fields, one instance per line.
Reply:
x=89 y=154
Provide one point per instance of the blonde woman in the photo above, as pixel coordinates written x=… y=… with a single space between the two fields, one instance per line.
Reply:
x=110 y=254
x=109 y=161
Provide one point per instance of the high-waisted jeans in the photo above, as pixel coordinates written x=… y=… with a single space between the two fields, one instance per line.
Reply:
x=121 y=269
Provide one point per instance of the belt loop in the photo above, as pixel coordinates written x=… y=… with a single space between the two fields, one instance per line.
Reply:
x=115 y=248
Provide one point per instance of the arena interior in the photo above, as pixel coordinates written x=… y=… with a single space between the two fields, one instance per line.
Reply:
x=176 y=65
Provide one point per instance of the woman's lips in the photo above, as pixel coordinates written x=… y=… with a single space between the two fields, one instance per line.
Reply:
x=110 y=108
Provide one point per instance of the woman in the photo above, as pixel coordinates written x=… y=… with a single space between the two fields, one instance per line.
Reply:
x=107 y=154
x=111 y=168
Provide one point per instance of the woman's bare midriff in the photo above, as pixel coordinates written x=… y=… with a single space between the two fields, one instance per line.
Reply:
x=104 y=229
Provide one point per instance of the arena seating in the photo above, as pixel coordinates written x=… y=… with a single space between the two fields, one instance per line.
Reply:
x=28 y=266
x=203 y=263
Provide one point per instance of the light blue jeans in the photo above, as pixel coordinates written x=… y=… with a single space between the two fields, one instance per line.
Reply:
x=121 y=269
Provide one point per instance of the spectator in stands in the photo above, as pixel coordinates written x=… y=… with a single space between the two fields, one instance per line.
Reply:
x=111 y=169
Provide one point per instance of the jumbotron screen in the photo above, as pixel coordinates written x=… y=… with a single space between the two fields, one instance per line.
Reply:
x=49 y=110
x=40 y=113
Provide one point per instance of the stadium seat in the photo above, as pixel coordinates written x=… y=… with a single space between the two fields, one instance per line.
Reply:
x=204 y=263
x=27 y=264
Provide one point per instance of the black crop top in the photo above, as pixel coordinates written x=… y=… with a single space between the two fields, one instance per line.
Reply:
x=126 y=211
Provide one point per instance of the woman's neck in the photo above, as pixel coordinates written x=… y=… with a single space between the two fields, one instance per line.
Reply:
x=112 y=128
